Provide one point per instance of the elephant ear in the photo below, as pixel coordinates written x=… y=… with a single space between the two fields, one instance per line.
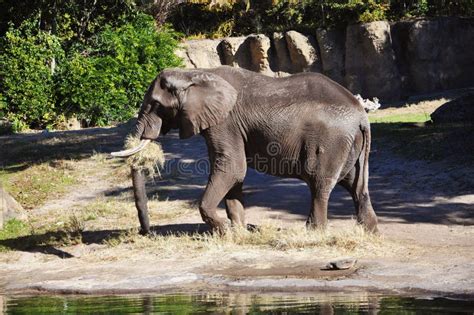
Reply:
x=205 y=100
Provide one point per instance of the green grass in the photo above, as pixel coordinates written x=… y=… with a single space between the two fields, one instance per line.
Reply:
x=13 y=228
x=20 y=235
x=400 y=118
x=32 y=185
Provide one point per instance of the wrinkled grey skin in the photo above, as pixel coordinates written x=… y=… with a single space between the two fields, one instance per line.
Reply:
x=307 y=125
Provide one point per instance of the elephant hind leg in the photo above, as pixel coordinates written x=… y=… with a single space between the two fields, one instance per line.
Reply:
x=355 y=183
x=234 y=205
x=320 y=193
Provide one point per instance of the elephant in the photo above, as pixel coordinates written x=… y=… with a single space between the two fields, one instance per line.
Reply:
x=303 y=126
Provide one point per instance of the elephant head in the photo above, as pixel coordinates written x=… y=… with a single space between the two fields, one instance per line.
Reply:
x=190 y=100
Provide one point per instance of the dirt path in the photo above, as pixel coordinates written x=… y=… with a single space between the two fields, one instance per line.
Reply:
x=426 y=213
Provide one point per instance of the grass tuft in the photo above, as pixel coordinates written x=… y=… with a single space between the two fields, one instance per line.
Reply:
x=150 y=159
x=267 y=237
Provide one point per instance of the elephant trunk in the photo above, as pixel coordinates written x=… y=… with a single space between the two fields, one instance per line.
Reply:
x=141 y=200
x=138 y=176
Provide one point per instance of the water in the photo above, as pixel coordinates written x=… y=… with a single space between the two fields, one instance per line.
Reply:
x=234 y=304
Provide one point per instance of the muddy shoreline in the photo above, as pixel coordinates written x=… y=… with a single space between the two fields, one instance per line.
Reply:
x=205 y=288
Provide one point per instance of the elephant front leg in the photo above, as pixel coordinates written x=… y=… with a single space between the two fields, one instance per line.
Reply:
x=218 y=186
x=234 y=206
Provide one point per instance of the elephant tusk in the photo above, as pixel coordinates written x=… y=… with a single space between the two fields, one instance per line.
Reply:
x=127 y=153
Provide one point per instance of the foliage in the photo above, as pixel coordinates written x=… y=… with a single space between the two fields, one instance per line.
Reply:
x=27 y=72
x=105 y=81
x=45 y=79
x=242 y=17
x=70 y=20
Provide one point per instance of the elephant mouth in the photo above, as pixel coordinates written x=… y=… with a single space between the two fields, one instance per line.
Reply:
x=126 y=153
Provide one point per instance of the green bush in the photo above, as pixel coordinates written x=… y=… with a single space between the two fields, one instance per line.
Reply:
x=27 y=72
x=258 y=16
x=105 y=81
x=99 y=81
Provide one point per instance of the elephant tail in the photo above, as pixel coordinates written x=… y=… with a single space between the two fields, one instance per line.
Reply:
x=365 y=128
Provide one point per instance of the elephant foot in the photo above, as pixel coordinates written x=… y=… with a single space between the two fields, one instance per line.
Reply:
x=312 y=225
x=220 y=229
x=369 y=223
x=144 y=232
x=371 y=227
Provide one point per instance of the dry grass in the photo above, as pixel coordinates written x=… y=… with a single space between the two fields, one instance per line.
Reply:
x=121 y=213
x=150 y=159
x=268 y=237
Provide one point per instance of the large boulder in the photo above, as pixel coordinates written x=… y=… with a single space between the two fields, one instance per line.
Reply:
x=439 y=54
x=259 y=48
x=251 y=52
x=234 y=52
x=370 y=62
x=200 y=53
x=331 y=48
x=282 y=55
x=303 y=54
x=459 y=110
x=9 y=208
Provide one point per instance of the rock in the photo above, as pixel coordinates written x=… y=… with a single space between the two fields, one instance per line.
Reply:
x=9 y=208
x=341 y=264
x=282 y=55
x=331 y=48
x=460 y=110
x=251 y=52
x=439 y=54
x=259 y=47
x=399 y=33
x=234 y=52
x=303 y=54
x=370 y=62
x=200 y=53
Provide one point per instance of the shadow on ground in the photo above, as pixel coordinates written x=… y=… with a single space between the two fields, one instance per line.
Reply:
x=49 y=243
x=403 y=189
x=19 y=151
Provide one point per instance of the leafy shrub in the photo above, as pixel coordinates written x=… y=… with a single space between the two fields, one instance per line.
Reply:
x=306 y=15
x=196 y=18
x=105 y=82
x=27 y=72
x=100 y=81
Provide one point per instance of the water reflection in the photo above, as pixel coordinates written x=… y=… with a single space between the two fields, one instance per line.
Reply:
x=233 y=303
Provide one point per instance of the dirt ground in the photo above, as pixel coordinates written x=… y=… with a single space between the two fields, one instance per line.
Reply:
x=425 y=210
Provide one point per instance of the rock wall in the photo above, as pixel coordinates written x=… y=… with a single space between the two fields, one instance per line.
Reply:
x=378 y=59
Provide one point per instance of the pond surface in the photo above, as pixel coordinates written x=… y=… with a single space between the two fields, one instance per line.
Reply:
x=234 y=303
